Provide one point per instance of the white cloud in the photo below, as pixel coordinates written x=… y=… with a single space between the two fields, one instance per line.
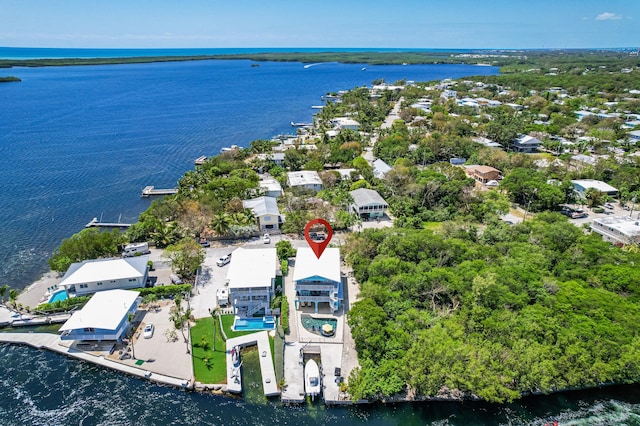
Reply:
x=608 y=16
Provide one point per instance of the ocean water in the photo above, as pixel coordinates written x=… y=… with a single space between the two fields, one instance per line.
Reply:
x=79 y=142
x=82 y=142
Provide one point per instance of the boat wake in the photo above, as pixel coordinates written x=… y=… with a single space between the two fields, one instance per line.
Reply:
x=311 y=65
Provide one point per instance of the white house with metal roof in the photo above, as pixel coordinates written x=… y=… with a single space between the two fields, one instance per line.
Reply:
x=265 y=209
x=104 y=317
x=380 y=168
x=309 y=179
x=318 y=280
x=581 y=185
x=617 y=230
x=270 y=187
x=96 y=275
x=251 y=279
x=368 y=203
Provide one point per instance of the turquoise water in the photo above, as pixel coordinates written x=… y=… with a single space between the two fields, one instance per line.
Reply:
x=58 y=296
x=254 y=324
x=314 y=325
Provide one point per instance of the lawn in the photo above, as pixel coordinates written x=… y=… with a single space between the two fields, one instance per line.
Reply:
x=215 y=371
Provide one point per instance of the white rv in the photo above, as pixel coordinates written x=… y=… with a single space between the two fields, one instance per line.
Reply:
x=134 y=249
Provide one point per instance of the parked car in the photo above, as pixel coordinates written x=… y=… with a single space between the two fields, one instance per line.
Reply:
x=203 y=242
x=224 y=260
x=147 y=333
x=266 y=239
x=175 y=279
x=578 y=215
x=317 y=236
x=608 y=206
x=597 y=210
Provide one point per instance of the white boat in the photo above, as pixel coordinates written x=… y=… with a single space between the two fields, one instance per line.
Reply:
x=235 y=356
x=311 y=379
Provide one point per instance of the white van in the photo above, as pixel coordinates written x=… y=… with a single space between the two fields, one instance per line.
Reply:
x=133 y=249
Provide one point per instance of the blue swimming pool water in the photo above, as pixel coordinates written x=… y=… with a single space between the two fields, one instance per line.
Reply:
x=58 y=296
x=254 y=324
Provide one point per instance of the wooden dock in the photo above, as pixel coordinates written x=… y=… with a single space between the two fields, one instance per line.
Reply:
x=148 y=191
x=95 y=223
x=200 y=160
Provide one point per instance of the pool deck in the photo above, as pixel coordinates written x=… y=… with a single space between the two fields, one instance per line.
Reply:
x=234 y=377
x=53 y=343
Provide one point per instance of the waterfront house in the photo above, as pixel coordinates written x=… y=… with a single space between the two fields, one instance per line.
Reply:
x=251 y=279
x=96 y=275
x=318 y=280
x=309 y=179
x=265 y=210
x=526 y=144
x=619 y=230
x=104 y=317
x=581 y=185
x=368 y=203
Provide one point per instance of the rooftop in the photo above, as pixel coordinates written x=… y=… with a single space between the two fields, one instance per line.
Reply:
x=623 y=224
x=596 y=184
x=262 y=206
x=308 y=265
x=252 y=268
x=304 y=177
x=105 y=269
x=104 y=310
x=364 y=196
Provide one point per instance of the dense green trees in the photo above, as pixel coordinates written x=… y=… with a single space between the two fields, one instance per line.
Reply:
x=535 y=307
x=89 y=243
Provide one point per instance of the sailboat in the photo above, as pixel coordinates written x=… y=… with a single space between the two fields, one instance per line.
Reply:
x=311 y=379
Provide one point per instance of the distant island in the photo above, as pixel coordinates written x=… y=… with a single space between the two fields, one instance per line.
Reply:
x=508 y=60
x=9 y=79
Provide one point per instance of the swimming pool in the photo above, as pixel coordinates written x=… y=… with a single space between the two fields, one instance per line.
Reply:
x=254 y=324
x=315 y=325
x=58 y=296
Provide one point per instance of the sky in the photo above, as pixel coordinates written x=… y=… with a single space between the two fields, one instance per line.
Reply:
x=473 y=24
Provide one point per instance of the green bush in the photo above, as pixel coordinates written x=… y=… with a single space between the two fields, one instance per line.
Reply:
x=164 y=290
x=285 y=267
x=285 y=250
x=63 y=305
x=284 y=314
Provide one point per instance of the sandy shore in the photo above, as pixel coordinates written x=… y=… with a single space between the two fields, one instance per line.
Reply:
x=32 y=295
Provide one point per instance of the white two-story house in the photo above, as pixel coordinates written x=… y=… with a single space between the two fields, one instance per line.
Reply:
x=251 y=278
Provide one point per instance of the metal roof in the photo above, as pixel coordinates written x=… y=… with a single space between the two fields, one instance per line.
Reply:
x=308 y=265
x=251 y=268
x=96 y=270
x=105 y=310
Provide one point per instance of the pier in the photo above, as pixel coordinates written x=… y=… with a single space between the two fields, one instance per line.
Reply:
x=200 y=160
x=95 y=223
x=148 y=191
x=234 y=380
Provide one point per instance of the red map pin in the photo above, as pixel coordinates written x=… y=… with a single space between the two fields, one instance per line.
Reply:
x=318 y=246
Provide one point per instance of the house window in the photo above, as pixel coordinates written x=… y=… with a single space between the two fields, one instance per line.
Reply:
x=84 y=285
x=89 y=329
x=99 y=283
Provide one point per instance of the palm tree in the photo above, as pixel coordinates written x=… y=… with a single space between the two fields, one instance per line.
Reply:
x=13 y=296
x=221 y=223
x=3 y=292
x=215 y=314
